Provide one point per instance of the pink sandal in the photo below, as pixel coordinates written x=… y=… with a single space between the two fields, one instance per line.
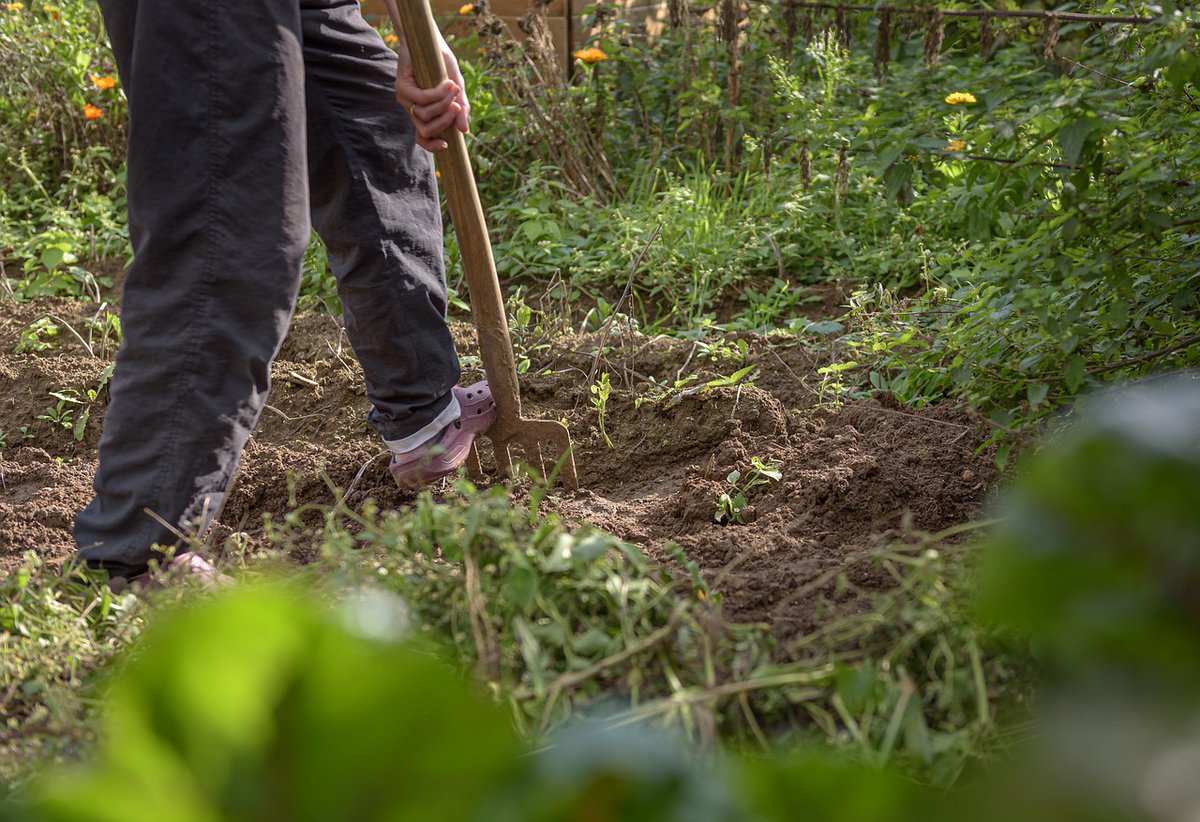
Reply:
x=442 y=456
x=184 y=564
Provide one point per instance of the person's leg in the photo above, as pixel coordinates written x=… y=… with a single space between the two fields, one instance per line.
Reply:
x=219 y=218
x=375 y=204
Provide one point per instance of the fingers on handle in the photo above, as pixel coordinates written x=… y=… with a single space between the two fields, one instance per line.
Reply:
x=410 y=93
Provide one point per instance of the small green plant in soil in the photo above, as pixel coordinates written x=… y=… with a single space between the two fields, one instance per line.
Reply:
x=40 y=335
x=600 y=390
x=74 y=407
x=732 y=502
x=62 y=413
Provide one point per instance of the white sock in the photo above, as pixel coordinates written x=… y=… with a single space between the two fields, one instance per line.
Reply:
x=428 y=432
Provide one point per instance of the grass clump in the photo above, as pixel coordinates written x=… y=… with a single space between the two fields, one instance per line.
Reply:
x=563 y=621
x=55 y=634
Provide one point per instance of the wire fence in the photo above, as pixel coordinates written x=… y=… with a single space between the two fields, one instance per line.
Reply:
x=1046 y=14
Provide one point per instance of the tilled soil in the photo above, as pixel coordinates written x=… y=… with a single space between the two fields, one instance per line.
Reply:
x=853 y=476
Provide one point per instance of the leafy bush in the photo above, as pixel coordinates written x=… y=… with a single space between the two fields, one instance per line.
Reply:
x=62 y=142
x=265 y=702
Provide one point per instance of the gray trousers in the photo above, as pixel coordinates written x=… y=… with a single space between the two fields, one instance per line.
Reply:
x=252 y=121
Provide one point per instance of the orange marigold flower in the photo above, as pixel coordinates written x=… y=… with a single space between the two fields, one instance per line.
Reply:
x=591 y=55
x=92 y=112
x=467 y=9
x=391 y=38
x=954 y=98
x=956 y=145
x=106 y=81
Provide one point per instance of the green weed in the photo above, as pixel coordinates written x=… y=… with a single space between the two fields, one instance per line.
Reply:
x=600 y=390
x=37 y=336
x=732 y=502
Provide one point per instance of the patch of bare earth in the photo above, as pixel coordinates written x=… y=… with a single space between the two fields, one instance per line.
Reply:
x=853 y=476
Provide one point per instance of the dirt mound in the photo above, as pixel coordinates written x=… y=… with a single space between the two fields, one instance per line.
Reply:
x=683 y=415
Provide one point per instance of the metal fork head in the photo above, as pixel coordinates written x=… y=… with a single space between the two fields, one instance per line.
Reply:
x=530 y=436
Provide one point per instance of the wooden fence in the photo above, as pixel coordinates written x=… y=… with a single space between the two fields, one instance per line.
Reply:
x=565 y=18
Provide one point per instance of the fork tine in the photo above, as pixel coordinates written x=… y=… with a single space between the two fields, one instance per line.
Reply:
x=503 y=458
x=474 y=469
x=533 y=454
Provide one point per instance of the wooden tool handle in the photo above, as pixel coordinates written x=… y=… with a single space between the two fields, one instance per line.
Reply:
x=487 y=303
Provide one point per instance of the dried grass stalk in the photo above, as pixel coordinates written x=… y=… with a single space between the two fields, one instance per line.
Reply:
x=935 y=35
x=676 y=9
x=843 y=173
x=1049 y=36
x=539 y=47
x=556 y=128
x=987 y=37
x=789 y=24
x=841 y=25
x=727 y=28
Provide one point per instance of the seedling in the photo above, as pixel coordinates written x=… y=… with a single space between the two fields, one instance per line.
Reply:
x=67 y=414
x=37 y=336
x=732 y=502
x=107 y=325
x=600 y=392
x=673 y=393
x=62 y=413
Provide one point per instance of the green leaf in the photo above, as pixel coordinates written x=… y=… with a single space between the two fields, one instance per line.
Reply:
x=521 y=586
x=1036 y=393
x=52 y=257
x=1073 y=373
x=886 y=158
x=825 y=327
x=591 y=642
x=593 y=546
x=1073 y=136
x=855 y=686
x=896 y=177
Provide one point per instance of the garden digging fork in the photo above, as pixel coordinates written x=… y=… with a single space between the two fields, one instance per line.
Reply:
x=487 y=303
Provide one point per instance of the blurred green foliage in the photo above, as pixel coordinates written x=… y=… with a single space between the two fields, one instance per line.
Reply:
x=259 y=704
x=1098 y=556
x=265 y=703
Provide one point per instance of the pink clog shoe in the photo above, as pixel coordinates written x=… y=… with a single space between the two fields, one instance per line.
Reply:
x=442 y=456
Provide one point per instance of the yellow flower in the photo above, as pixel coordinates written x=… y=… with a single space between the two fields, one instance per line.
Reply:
x=107 y=81
x=467 y=9
x=957 y=97
x=14 y=6
x=956 y=145
x=391 y=38
x=591 y=55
